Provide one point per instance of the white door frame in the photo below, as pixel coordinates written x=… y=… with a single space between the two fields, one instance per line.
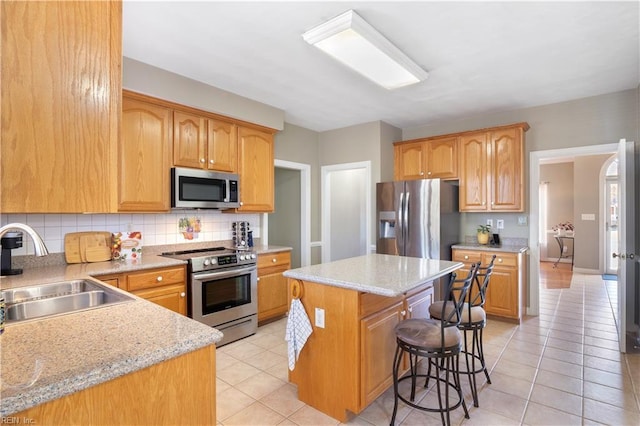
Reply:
x=535 y=158
x=325 y=193
x=305 y=208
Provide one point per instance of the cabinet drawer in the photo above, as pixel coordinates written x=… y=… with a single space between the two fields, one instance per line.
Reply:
x=467 y=256
x=269 y=260
x=372 y=303
x=155 y=278
x=502 y=259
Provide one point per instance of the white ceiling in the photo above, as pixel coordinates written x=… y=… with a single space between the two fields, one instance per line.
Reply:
x=481 y=56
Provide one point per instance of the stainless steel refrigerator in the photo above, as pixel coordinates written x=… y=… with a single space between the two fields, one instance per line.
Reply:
x=417 y=218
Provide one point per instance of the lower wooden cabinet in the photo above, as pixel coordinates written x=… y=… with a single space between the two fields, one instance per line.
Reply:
x=164 y=286
x=506 y=293
x=272 y=286
x=378 y=342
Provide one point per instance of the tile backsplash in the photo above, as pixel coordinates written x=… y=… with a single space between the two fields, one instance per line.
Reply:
x=157 y=228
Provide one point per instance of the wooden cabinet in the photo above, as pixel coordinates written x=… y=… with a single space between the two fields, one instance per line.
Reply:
x=491 y=169
x=144 y=156
x=204 y=143
x=378 y=341
x=186 y=381
x=256 y=170
x=60 y=101
x=164 y=286
x=189 y=140
x=506 y=293
x=355 y=348
x=426 y=159
x=273 y=301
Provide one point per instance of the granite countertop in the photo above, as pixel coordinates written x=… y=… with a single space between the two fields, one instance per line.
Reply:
x=45 y=359
x=380 y=274
x=505 y=248
x=266 y=249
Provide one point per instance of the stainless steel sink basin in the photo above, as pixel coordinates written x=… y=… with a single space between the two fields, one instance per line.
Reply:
x=44 y=300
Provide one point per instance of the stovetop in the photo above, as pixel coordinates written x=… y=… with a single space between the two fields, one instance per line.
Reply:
x=209 y=258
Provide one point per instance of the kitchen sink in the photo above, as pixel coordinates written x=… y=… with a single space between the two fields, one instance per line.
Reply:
x=39 y=301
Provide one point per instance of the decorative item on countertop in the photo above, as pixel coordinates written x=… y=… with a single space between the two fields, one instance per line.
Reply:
x=190 y=227
x=127 y=245
x=564 y=229
x=483 y=234
x=1 y=314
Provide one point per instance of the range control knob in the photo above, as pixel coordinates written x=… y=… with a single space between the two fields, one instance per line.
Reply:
x=253 y=255
x=242 y=257
x=214 y=260
x=206 y=262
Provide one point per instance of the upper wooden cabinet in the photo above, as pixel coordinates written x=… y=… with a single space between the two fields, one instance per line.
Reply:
x=60 y=89
x=204 y=143
x=491 y=169
x=144 y=152
x=255 y=167
x=189 y=140
x=426 y=159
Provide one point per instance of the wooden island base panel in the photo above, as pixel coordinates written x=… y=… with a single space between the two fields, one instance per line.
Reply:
x=347 y=364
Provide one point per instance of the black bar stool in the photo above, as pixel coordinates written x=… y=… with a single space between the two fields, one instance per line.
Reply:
x=440 y=342
x=474 y=319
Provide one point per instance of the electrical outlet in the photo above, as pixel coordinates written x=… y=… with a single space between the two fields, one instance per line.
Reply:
x=500 y=223
x=490 y=222
x=319 y=318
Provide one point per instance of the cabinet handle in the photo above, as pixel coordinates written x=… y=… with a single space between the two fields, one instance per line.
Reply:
x=499 y=260
x=159 y=278
x=483 y=203
x=410 y=309
x=202 y=160
x=258 y=279
x=182 y=294
x=429 y=173
x=493 y=203
x=211 y=161
x=421 y=173
x=241 y=203
x=274 y=260
x=466 y=257
x=404 y=313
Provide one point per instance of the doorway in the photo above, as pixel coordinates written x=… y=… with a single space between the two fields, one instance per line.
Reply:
x=346 y=210
x=290 y=224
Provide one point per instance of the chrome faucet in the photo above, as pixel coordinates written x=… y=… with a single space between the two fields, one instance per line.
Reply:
x=38 y=243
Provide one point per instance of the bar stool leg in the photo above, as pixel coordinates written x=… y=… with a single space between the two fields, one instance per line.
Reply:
x=481 y=354
x=396 y=366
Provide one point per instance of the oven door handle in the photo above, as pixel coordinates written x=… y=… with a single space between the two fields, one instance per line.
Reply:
x=223 y=274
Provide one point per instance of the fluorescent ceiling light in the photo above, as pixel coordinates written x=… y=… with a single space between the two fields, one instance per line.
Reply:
x=355 y=43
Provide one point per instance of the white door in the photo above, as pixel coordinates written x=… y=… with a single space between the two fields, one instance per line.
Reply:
x=626 y=242
x=611 y=224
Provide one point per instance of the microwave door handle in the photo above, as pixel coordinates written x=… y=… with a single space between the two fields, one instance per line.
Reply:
x=227 y=190
x=223 y=274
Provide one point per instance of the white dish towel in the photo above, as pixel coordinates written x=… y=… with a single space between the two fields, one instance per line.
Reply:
x=298 y=331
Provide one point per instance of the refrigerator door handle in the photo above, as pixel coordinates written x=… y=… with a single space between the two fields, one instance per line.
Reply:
x=400 y=229
x=406 y=214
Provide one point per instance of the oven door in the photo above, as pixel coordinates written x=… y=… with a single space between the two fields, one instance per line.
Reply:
x=224 y=295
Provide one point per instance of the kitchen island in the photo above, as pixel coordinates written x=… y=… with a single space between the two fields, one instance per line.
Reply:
x=354 y=305
x=128 y=363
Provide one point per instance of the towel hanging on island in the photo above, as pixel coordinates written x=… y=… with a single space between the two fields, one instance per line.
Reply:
x=298 y=331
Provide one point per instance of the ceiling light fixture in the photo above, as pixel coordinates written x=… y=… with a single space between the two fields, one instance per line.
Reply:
x=352 y=41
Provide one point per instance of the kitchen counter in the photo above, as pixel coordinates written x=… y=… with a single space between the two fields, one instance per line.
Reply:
x=505 y=248
x=379 y=274
x=45 y=359
x=267 y=249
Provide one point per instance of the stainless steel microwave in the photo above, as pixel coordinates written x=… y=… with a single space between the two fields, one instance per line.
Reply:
x=201 y=189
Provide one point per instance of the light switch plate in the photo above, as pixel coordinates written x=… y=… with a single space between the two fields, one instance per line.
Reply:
x=588 y=216
x=490 y=222
x=319 y=317
x=500 y=223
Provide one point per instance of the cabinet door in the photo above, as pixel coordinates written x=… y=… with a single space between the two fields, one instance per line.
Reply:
x=378 y=345
x=410 y=161
x=473 y=172
x=255 y=167
x=189 y=140
x=502 y=292
x=172 y=297
x=144 y=157
x=60 y=102
x=442 y=158
x=272 y=296
x=418 y=304
x=506 y=173
x=222 y=146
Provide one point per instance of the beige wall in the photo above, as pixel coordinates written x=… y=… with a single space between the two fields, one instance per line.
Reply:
x=143 y=78
x=586 y=193
x=590 y=121
x=284 y=223
x=560 y=190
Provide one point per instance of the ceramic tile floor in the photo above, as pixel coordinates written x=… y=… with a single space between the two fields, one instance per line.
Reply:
x=561 y=368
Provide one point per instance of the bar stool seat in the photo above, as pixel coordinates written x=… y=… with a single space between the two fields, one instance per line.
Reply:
x=477 y=313
x=439 y=342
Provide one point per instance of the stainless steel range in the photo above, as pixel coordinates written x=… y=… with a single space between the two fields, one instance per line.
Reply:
x=222 y=289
